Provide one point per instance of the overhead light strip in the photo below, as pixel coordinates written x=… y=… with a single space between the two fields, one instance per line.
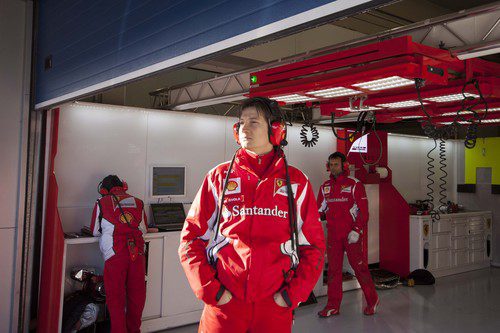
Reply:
x=402 y=104
x=293 y=98
x=334 y=92
x=369 y=108
x=386 y=83
x=450 y=98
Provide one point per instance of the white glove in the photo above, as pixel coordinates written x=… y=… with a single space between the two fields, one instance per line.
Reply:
x=278 y=299
x=225 y=298
x=353 y=237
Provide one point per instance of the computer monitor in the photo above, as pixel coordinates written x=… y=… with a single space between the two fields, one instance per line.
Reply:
x=167 y=181
x=168 y=216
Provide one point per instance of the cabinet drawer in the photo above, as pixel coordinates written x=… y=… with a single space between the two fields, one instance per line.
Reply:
x=459 y=220
x=440 y=259
x=477 y=256
x=440 y=241
x=460 y=230
x=460 y=258
x=476 y=219
x=476 y=226
x=459 y=242
x=477 y=242
x=443 y=225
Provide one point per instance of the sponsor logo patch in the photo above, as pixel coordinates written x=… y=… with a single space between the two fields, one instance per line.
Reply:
x=250 y=211
x=233 y=186
x=326 y=189
x=345 y=189
x=337 y=200
x=281 y=188
x=126 y=217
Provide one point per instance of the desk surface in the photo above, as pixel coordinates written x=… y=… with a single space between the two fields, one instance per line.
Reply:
x=88 y=240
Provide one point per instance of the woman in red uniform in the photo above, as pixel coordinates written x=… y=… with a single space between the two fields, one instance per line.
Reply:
x=249 y=252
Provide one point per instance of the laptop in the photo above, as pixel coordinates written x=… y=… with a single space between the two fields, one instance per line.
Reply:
x=168 y=216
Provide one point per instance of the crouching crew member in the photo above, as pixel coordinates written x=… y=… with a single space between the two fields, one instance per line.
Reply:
x=120 y=222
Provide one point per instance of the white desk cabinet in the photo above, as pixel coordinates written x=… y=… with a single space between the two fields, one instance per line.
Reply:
x=170 y=301
x=454 y=244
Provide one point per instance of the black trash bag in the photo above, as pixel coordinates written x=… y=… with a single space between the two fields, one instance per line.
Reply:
x=422 y=277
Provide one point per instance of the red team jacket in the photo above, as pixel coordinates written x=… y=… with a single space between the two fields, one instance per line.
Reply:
x=343 y=201
x=252 y=250
x=109 y=223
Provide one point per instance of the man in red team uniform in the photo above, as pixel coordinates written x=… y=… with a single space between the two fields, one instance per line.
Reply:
x=342 y=202
x=120 y=222
x=253 y=259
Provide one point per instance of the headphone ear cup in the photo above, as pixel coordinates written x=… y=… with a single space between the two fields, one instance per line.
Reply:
x=103 y=191
x=345 y=166
x=236 y=134
x=278 y=133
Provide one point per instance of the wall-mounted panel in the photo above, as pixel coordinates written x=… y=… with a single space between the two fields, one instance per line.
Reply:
x=87 y=46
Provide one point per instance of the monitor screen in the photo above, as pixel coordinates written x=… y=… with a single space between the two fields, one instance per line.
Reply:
x=168 y=213
x=168 y=180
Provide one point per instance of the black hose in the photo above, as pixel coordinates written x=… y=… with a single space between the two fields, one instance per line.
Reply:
x=314 y=135
x=430 y=194
x=442 y=179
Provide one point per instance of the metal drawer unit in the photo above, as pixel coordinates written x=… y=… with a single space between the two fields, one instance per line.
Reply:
x=456 y=243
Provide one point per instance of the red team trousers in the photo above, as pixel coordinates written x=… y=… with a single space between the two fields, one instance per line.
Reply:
x=237 y=316
x=125 y=291
x=335 y=253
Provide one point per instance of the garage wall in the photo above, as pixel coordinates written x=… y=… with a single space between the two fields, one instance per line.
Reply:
x=15 y=17
x=408 y=160
x=96 y=140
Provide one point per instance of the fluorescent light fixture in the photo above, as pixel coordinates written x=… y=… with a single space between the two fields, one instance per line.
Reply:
x=479 y=49
x=490 y=121
x=208 y=102
x=486 y=121
x=410 y=117
x=469 y=112
x=293 y=98
x=344 y=119
x=450 y=98
x=402 y=104
x=387 y=83
x=450 y=122
x=334 y=92
x=368 y=108
x=454 y=113
x=489 y=110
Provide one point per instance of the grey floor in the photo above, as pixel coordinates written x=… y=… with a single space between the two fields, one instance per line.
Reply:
x=468 y=302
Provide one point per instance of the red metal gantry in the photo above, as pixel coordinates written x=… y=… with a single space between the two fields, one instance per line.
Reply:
x=383 y=74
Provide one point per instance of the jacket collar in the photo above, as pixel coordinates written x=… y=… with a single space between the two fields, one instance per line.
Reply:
x=250 y=162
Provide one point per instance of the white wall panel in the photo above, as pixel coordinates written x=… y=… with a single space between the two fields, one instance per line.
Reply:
x=194 y=140
x=311 y=160
x=97 y=139
x=407 y=157
x=95 y=142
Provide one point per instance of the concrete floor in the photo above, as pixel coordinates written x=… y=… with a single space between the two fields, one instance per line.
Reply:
x=468 y=302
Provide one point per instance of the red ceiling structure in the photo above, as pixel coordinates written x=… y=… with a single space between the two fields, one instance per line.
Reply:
x=382 y=76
